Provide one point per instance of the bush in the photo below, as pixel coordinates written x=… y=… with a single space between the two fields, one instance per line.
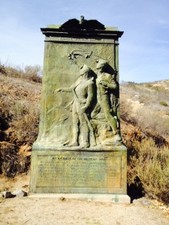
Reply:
x=2 y=69
x=32 y=73
x=19 y=118
x=150 y=165
x=164 y=104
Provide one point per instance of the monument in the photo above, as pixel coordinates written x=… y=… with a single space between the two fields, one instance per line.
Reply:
x=79 y=151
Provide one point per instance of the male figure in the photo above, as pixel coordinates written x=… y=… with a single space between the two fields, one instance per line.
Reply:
x=84 y=94
x=107 y=93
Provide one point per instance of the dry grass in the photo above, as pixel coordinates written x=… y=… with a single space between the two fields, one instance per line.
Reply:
x=145 y=122
x=19 y=117
x=150 y=165
x=146 y=106
x=31 y=73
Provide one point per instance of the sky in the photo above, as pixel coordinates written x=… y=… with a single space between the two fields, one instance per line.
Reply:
x=144 y=46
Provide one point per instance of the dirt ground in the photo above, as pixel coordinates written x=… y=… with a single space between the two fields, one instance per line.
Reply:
x=52 y=211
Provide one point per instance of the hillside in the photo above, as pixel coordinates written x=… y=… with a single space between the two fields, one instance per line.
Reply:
x=146 y=106
x=144 y=127
x=19 y=113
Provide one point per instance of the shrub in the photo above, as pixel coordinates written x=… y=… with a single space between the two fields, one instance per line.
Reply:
x=2 y=69
x=32 y=73
x=150 y=165
x=19 y=117
x=164 y=104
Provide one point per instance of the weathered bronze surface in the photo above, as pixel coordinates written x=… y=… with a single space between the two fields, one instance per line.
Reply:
x=79 y=147
x=79 y=172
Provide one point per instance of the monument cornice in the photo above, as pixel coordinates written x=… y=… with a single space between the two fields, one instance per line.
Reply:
x=83 y=33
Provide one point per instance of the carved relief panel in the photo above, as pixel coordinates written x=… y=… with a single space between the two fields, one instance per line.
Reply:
x=80 y=95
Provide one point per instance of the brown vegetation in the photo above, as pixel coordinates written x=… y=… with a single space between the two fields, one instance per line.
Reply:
x=144 y=126
x=145 y=122
x=19 y=112
x=31 y=73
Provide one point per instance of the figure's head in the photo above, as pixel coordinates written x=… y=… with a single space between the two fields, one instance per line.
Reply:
x=101 y=63
x=84 y=70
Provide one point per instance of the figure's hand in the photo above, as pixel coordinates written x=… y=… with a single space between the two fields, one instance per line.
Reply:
x=103 y=84
x=58 y=90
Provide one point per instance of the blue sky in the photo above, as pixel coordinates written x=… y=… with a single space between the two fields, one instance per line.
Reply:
x=144 y=46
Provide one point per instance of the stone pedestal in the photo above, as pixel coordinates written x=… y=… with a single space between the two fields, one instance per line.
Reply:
x=79 y=151
x=91 y=175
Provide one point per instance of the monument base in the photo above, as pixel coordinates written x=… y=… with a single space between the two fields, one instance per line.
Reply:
x=79 y=172
x=111 y=198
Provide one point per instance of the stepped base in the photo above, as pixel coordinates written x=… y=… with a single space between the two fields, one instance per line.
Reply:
x=112 y=198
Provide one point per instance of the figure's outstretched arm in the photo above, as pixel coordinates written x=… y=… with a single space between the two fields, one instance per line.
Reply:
x=69 y=89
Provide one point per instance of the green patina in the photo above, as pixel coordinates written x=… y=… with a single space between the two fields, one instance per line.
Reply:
x=79 y=147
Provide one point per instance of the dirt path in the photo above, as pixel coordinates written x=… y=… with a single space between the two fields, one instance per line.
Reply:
x=36 y=211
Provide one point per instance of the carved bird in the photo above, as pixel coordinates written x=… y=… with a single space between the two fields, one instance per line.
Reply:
x=82 y=24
